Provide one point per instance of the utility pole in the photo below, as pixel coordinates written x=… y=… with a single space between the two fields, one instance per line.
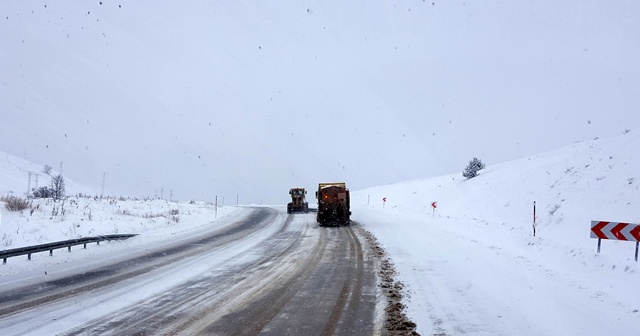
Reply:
x=104 y=175
x=29 y=184
x=60 y=173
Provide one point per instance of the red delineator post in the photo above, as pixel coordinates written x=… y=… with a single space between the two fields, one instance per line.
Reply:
x=534 y=218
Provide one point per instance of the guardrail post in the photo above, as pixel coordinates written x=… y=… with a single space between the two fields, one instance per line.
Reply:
x=5 y=254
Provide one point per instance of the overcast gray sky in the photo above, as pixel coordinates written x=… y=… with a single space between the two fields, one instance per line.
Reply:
x=251 y=98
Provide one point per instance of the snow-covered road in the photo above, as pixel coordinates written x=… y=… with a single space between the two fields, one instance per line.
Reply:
x=259 y=271
x=74 y=294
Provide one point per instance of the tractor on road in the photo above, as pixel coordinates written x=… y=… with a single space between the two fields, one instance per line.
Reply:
x=297 y=203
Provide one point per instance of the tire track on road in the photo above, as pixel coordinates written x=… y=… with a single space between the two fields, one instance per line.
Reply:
x=264 y=304
x=350 y=296
x=182 y=305
x=301 y=280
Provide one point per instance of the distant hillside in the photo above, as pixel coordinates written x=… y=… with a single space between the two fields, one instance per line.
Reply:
x=14 y=177
x=591 y=180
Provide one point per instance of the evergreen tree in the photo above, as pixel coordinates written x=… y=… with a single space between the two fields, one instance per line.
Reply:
x=472 y=169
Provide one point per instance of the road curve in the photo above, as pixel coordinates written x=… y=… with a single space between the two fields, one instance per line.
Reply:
x=268 y=273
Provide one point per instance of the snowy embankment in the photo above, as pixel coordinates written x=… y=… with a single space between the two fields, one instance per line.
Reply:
x=76 y=217
x=46 y=221
x=473 y=266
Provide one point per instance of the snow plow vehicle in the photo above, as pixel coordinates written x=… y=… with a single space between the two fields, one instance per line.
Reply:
x=333 y=204
x=297 y=203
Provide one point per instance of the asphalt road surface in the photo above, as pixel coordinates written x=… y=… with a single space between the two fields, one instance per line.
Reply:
x=266 y=273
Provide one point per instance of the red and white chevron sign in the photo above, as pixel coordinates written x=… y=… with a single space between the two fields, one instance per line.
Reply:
x=615 y=230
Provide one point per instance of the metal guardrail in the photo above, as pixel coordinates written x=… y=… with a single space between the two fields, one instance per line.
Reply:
x=58 y=245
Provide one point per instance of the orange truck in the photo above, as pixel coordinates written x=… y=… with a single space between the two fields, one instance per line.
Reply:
x=333 y=204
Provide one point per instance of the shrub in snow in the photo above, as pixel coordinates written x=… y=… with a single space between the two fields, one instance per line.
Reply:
x=472 y=169
x=13 y=203
x=6 y=240
x=42 y=192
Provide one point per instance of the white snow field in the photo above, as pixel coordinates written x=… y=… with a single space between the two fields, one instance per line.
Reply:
x=473 y=266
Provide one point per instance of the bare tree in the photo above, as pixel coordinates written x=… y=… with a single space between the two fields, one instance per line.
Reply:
x=57 y=185
x=47 y=169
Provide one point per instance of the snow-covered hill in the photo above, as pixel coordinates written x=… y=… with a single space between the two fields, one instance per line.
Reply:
x=473 y=266
x=18 y=177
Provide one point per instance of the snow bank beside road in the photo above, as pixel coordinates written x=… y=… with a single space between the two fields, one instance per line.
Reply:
x=473 y=265
x=75 y=217
x=154 y=220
